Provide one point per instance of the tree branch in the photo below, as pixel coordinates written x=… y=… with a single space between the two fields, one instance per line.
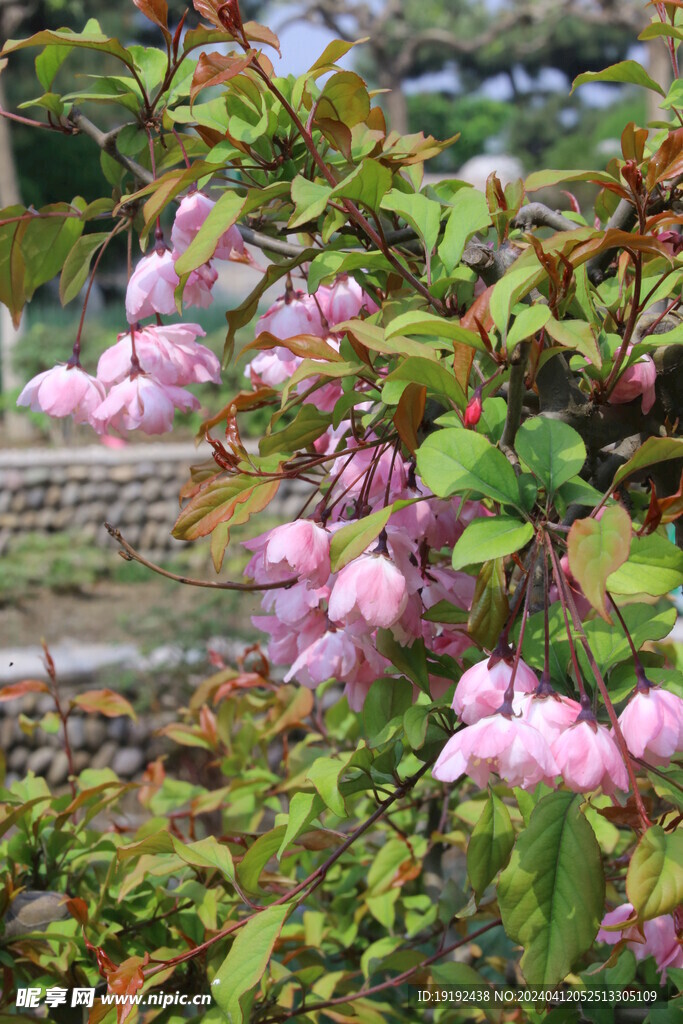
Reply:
x=537 y=215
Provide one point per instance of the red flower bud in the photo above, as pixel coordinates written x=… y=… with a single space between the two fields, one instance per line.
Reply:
x=473 y=410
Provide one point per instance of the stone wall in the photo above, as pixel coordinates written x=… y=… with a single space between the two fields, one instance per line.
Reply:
x=49 y=490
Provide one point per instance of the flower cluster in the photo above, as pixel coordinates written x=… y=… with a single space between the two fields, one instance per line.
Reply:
x=540 y=735
x=148 y=368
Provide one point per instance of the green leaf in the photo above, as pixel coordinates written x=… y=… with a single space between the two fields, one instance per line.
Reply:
x=654 y=881
x=327 y=265
x=417 y=321
x=512 y=287
x=527 y=323
x=550 y=178
x=490 y=844
x=424 y=215
x=12 y=266
x=77 y=265
x=654 y=566
x=553 y=451
x=435 y=377
x=453 y=461
x=552 y=893
x=202 y=247
x=366 y=184
x=344 y=98
x=303 y=808
x=218 y=501
x=379 y=340
x=257 y=856
x=411 y=661
x=90 y=39
x=578 y=335
x=47 y=243
x=608 y=642
x=470 y=213
x=48 y=64
x=596 y=548
x=352 y=540
x=306 y=427
x=309 y=198
x=247 y=960
x=489 y=610
x=655 y=449
x=324 y=774
x=415 y=723
x=387 y=700
x=627 y=71
x=484 y=539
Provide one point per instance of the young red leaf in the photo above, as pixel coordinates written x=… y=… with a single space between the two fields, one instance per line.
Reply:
x=596 y=548
x=104 y=702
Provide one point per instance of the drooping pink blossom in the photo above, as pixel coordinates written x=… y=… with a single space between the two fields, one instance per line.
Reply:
x=588 y=757
x=142 y=403
x=295 y=604
x=481 y=688
x=190 y=216
x=64 y=390
x=292 y=314
x=550 y=714
x=511 y=748
x=303 y=548
x=652 y=725
x=331 y=656
x=657 y=937
x=636 y=381
x=199 y=285
x=272 y=367
x=152 y=286
x=344 y=300
x=370 y=589
x=169 y=353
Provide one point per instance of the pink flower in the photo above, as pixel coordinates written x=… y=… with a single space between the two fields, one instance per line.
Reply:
x=292 y=314
x=638 y=379
x=551 y=714
x=190 y=216
x=614 y=917
x=652 y=725
x=272 y=367
x=588 y=757
x=197 y=290
x=481 y=688
x=152 y=286
x=64 y=390
x=140 y=402
x=371 y=589
x=657 y=938
x=507 y=746
x=168 y=353
x=331 y=656
x=344 y=300
x=302 y=548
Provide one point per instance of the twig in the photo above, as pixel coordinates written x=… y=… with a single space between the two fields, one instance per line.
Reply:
x=537 y=215
x=131 y=555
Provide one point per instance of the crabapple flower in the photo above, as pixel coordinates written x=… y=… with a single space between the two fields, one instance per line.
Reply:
x=294 y=313
x=370 y=589
x=344 y=300
x=302 y=548
x=190 y=216
x=65 y=390
x=142 y=403
x=657 y=937
x=198 y=287
x=551 y=714
x=272 y=367
x=612 y=918
x=652 y=724
x=511 y=748
x=638 y=379
x=481 y=688
x=333 y=655
x=588 y=757
x=473 y=410
x=152 y=286
x=168 y=353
